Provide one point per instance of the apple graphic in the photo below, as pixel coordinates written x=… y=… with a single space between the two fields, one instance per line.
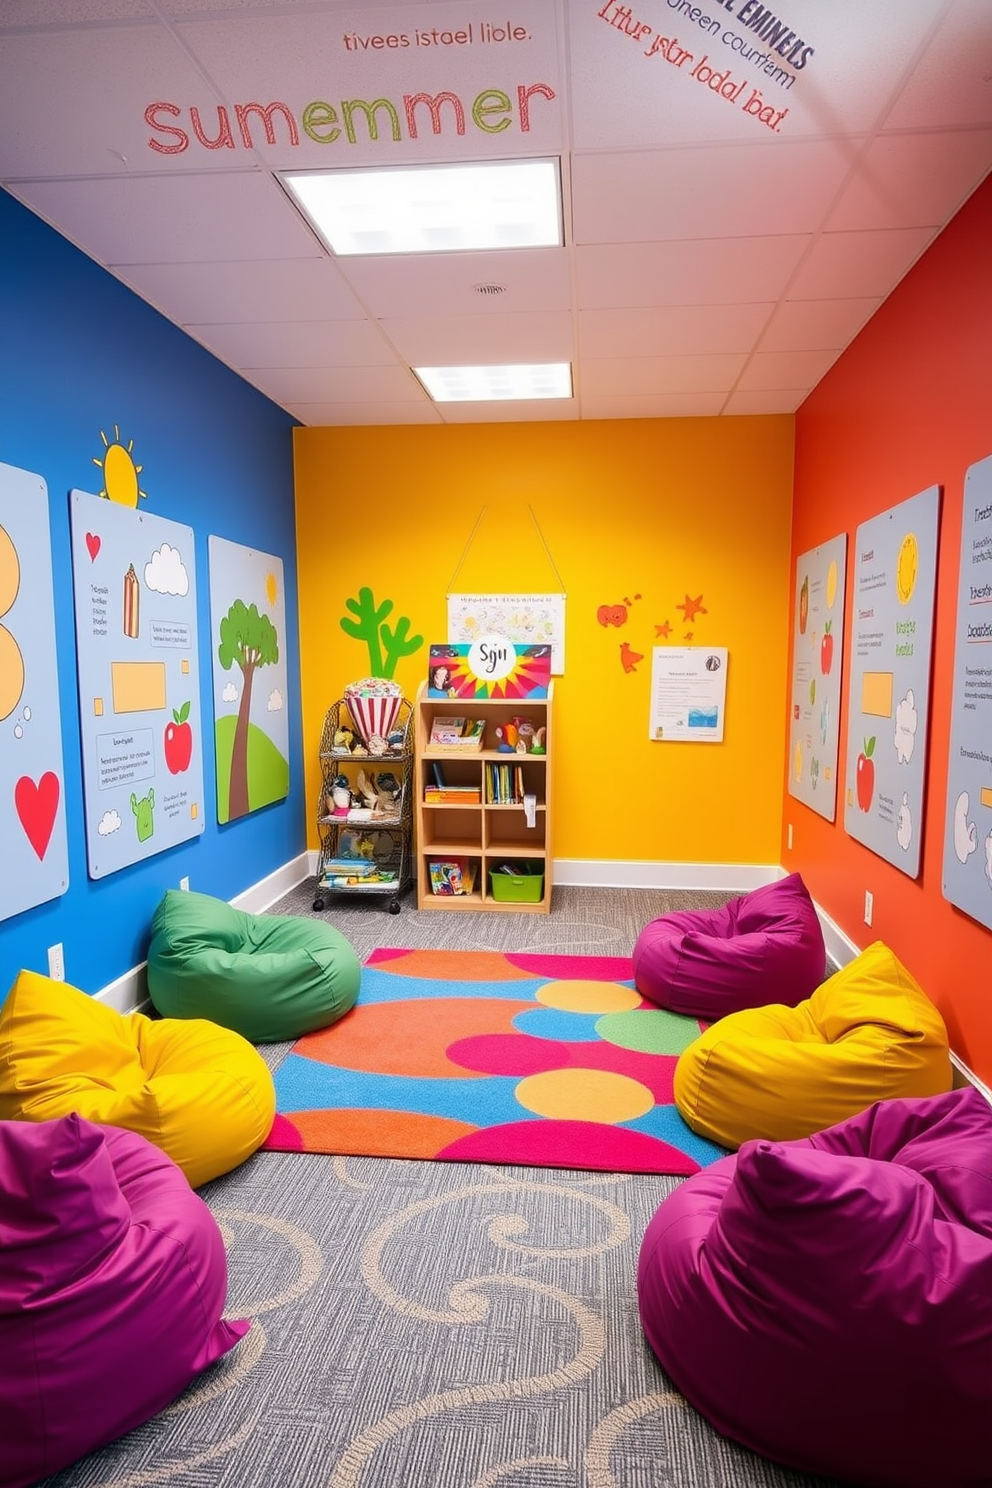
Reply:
x=178 y=741
x=866 y=774
x=826 y=650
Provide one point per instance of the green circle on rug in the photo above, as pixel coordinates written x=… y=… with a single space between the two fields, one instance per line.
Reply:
x=648 y=1031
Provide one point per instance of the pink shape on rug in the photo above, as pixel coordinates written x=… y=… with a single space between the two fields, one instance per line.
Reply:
x=284 y=1136
x=574 y=968
x=509 y=1054
x=384 y=953
x=570 y=1144
x=521 y=1054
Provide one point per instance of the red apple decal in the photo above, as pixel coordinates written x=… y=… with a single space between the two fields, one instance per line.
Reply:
x=178 y=742
x=866 y=774
x=826 y=650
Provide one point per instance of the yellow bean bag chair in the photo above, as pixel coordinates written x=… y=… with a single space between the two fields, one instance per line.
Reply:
x=201 y=1093
x=869 y=1033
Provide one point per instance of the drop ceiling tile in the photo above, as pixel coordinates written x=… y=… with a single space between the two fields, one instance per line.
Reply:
x=713 y=271
x=308 y=52
x=630 y=90
x=536 y=411
x=36 y=14
x=73 y=102
x=299 y=343
x=185 y=218
x=748 y=404
x=950 y=84
x=671 y=330
x=445 y=283
x=788 y=369
x=856 y=265
x=249 y=291
x=654 y=405
x=339 y=384
x=912 y=180
x=817 y=325
x=739 y=191
x=614 y=376
x=339 y=415
x=476 y=340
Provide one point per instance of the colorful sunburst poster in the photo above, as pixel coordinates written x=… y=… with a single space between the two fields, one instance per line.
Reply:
x=491 y=667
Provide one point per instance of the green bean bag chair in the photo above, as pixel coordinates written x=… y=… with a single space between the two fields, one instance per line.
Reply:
x=269 y=977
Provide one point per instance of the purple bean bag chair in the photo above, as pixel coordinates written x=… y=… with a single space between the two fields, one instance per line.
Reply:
x=766 y=946
x=828 y=1301
x=112 y=1281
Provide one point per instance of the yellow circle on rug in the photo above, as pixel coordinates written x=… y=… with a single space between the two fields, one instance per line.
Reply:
x=575 y=996
x=584 y=1095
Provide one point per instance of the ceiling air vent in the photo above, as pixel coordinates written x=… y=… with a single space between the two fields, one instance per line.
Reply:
x=489 y=290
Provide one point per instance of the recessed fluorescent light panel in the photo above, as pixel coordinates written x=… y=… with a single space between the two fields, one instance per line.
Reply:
x=492 y=384
x=433 y=209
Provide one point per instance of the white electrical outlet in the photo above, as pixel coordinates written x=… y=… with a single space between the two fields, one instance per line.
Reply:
x=788 y=842
x=56 y=963
x=869 y=906
x=184 y=883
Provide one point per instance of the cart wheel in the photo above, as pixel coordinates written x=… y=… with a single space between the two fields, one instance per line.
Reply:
x=318 y=903
x=395 y=906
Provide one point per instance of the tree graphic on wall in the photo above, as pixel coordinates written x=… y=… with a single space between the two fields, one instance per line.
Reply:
x=252 y=641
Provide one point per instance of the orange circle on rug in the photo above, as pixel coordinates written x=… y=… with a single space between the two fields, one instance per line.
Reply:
x=588 y=997
x=584 y=1095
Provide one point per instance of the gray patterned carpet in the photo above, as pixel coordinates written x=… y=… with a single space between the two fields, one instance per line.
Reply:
x=419 y=1323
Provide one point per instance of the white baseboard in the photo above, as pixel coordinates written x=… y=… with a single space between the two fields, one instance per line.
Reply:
x=739 y=878
x=129 y=993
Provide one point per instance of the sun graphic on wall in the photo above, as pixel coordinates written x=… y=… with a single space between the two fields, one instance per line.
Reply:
x=271 y=588
x=120 y=473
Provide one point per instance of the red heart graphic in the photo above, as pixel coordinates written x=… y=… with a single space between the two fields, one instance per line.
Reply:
x=36 y=807
x=93 y=544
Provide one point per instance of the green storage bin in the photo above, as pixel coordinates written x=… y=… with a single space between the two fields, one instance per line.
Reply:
x=526 y=887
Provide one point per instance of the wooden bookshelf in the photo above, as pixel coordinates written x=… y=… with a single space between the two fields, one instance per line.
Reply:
x=485 y=833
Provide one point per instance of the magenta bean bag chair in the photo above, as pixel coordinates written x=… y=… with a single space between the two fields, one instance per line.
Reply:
x=827 y=1302
x=766 y=946
x=113 y=1278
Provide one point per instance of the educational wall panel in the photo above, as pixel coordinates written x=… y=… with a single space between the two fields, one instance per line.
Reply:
x=967 y=875
x=817 y=655
x=134 y=586
x=895 y=565
x=32 y=789
x=251 y=720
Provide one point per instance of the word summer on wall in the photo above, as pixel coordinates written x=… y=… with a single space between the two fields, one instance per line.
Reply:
x=493 y=111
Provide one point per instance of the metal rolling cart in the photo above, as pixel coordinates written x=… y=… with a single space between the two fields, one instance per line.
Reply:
x=365 y=849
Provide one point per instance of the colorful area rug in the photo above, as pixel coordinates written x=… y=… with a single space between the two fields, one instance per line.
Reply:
x=481 y=1056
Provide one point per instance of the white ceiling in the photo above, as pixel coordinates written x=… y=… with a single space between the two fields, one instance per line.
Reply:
x=715 y=261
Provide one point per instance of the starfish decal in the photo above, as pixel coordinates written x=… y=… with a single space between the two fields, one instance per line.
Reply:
x=663 y=630
x=691 y=608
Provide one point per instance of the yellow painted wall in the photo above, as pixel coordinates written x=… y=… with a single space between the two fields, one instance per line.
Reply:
x=636 y=513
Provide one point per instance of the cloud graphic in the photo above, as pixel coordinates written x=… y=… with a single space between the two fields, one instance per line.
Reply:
x=275 y=701
x=230 y=693
x=907 y=720
x=965 y=832
x=904 y=824
x=165 y=571
x=109 y=822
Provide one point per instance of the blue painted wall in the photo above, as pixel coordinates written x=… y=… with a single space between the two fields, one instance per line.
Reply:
x=79 y=355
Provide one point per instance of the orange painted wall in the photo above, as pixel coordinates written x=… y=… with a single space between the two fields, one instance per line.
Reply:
x=637 y=513
x=909 y=405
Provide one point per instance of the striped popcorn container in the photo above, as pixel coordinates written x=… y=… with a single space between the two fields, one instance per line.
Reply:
x=373 y=704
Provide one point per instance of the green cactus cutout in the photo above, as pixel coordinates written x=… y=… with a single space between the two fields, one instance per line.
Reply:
x=386 y=643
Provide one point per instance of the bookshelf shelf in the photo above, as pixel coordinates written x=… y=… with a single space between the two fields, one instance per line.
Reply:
x=485 y=834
